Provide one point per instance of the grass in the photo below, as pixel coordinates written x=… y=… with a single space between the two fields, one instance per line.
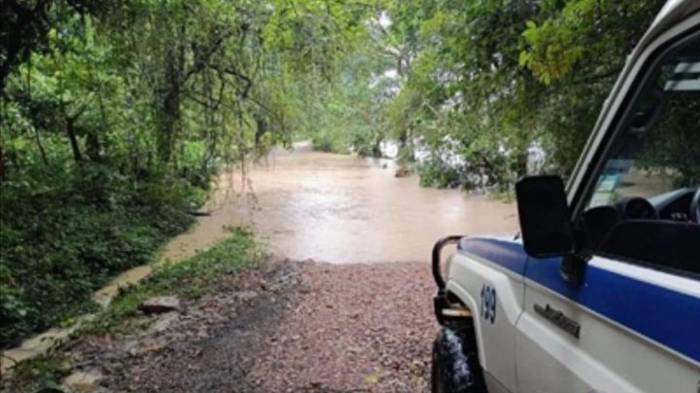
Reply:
x=42 y=372
x=189 y=279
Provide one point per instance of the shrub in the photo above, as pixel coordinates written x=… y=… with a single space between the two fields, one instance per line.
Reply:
x=64 y=236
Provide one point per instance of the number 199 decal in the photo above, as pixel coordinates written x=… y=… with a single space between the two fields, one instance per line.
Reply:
x=488 y=303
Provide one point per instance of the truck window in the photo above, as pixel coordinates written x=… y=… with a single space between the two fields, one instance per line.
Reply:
x=652 y=172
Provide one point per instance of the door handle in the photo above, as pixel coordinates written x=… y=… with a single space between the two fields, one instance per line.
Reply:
x=559 y=319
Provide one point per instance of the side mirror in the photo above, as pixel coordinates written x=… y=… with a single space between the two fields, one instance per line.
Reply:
x=545 y=219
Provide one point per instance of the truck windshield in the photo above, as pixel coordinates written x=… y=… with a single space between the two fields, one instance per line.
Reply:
x=659 y=151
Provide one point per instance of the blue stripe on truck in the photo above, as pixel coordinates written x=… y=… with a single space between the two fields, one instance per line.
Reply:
x=666 y=316
x=508 y=254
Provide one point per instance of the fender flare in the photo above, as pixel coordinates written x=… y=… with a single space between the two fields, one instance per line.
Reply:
x=456 y=290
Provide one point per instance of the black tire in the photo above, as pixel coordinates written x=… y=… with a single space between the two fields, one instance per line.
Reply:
x=455 y=367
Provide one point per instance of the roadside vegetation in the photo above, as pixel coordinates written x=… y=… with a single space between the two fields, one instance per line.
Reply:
x=187 y=280
x=60 y=243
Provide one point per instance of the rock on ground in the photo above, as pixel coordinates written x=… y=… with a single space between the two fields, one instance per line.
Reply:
x=83 y=381
x=160 y=304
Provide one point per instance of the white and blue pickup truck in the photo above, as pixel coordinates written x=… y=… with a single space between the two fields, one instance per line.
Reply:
x=600 y=290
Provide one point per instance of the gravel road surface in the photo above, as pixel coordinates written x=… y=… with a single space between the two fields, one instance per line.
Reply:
x=289 y=327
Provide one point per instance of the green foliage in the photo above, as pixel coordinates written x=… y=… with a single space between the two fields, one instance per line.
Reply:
x=346 y=114
x=674 y=144
x=438 y=174
x=42 y=372
x=593 y=34
x=330 y=141
x=188 y=279
x=489 y=79
x=64 y=234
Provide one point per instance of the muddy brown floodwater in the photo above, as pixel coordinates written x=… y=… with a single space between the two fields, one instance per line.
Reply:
x=342 y=209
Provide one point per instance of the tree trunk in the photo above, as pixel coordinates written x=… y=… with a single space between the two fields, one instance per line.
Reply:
x=73 y=139
x=2 y=164
x=170 y=112
x=40 y=145
x=93 y=147
x=170 y=103
x=260 y=129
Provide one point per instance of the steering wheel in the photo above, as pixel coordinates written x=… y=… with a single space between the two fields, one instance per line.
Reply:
x=695 y=207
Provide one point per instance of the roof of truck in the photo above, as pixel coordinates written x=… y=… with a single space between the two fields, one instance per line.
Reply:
x=670 y=14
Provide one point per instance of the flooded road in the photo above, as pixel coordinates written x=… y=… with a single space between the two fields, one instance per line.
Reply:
x=338 y=209
x=363 y=324
x=342 y=209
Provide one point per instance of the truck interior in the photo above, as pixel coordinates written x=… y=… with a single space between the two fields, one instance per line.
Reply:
x=645 y=206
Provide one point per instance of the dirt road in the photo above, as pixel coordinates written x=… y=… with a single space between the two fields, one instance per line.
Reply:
x=302 y=327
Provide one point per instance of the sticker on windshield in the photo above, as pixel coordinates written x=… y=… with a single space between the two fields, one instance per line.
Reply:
x=605 y=192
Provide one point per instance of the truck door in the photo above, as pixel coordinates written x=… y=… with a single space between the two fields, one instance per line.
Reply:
x=626 y=329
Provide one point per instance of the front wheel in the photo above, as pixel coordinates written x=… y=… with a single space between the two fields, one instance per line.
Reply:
x=455 y=366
